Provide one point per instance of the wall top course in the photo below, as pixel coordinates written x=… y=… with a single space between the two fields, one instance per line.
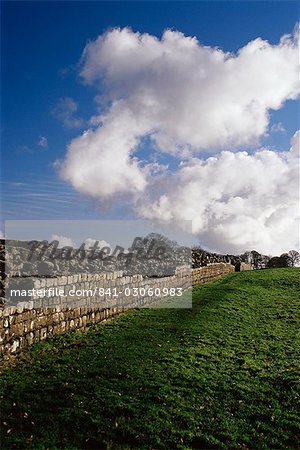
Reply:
x=115 y=278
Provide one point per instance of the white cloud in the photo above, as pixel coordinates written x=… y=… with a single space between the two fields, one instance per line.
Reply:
x=236 y=201
x=42 y=142
x=89 y=243
x=295 y=149
x=63 y=241
x=278 y=128
x=65 y=111
x=68 y=242
x=187 y=98
x=190 y=96
x=99 y=162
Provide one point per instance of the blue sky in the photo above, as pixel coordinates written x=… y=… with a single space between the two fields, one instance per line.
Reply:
x=41 y=45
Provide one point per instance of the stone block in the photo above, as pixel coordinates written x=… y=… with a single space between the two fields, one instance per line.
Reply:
x=43 y=333
x=15 y=346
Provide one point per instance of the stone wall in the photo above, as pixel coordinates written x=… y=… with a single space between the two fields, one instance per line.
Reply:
x=245 y=266
x=210 y=272
x=37 y=318
x=22 y=328
x=87 y=289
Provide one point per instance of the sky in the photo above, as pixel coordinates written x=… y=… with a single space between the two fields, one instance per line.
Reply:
x=154 y=110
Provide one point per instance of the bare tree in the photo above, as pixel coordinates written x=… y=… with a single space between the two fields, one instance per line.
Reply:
x=293 y=258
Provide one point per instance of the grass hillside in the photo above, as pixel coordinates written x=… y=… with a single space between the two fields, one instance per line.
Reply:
x=221 y=375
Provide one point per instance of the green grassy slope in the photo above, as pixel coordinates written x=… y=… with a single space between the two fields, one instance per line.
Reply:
x=221 y=375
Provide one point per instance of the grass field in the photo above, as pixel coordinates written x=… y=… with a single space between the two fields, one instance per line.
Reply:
x=221 y=375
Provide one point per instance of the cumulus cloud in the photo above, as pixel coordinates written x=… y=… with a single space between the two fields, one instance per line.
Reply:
x=66 y=112
x=236 y=201
x=187 y=98
x=190 y=96
x=99 y=163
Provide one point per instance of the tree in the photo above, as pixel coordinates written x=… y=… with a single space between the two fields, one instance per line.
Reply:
x=257 y=260
x=278 y=261
x=294 y=258
x=285 y=260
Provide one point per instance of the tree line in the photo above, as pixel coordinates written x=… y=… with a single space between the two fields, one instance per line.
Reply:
x=257 y=260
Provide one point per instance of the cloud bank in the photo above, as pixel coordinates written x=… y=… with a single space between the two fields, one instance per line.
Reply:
x=236 y=201
x=186 y=99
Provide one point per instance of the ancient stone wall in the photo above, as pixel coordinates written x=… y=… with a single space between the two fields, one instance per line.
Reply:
x=245 y=266
x=36 y=318
x=104 y=290
x=210 y=272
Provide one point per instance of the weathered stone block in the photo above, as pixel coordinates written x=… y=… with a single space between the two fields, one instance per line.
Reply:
x=43 y=333
x=15 y=346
